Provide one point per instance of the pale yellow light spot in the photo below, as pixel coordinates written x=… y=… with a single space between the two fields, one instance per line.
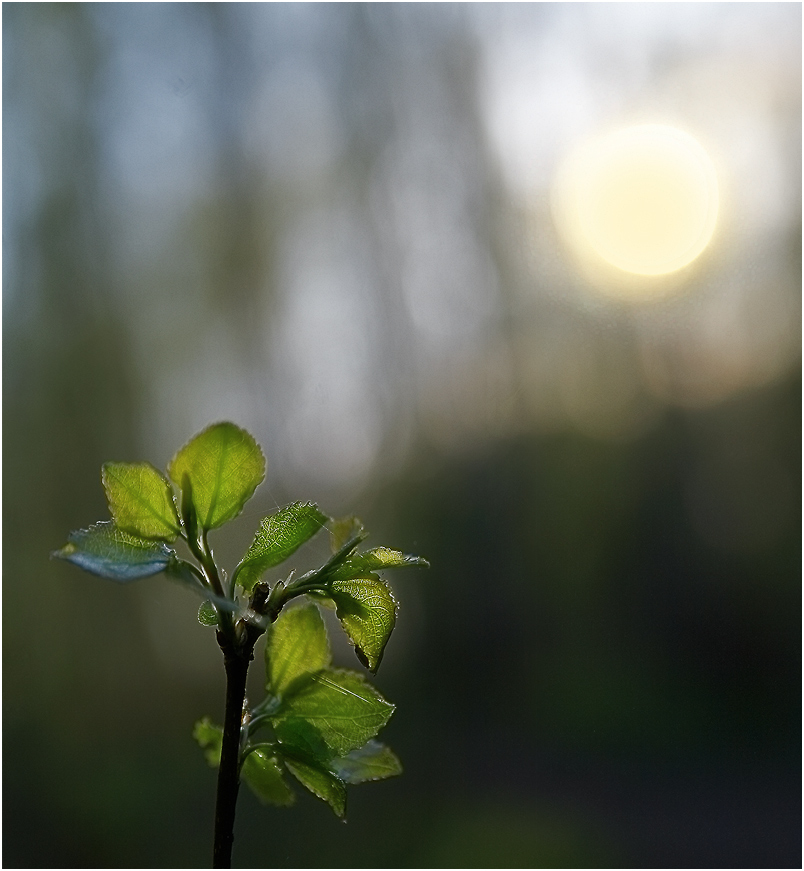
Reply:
x=643 y=200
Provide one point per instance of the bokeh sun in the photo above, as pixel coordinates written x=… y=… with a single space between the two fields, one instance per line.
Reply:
x=643 y=200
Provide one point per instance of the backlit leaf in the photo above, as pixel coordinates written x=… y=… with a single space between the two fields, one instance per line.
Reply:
x=344 y=530
x=224 y=465
x=304 y=738
x=262 y=772
x=319 y=780
x=140 y=500
x=105 y=550
x=297 y=648
x=341 y=705
x=279 y=535
x=374 y=761
x=374 y=560
x=367 y=612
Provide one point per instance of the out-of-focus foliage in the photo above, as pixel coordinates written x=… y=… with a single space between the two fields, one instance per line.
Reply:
x=331 y=222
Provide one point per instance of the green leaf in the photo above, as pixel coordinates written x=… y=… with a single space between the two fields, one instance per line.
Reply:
x=279 y=535
x=140 y=500
x=224 y=465
x=297 y=648
x=207 y=615
x=341 y=705
x=318 y=779
x=263 y=774
x=260 y=770
x=105 y=550
x=210 y=739
x=374 y=761
x=304 y=737
x=373 y=561
x=344 y=530
x=367 y=611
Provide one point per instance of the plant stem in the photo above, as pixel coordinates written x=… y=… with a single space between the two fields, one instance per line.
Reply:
x=236 y=659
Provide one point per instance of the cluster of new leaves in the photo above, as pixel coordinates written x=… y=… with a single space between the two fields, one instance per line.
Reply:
x=323 y=720
x=217 y=473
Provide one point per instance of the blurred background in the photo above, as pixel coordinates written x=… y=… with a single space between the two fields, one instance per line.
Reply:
x=331 y=224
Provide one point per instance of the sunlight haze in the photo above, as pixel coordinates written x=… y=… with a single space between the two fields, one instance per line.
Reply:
x=644 y=199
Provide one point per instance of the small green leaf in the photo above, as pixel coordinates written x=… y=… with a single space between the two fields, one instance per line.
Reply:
x=140 y=500
x=344 y=530
x=297 y=648
x=224 y=465
x=210 y=739
x=320 y=781
x=105 y=550
x=367 y=611
x=341 y=705
x=373 y=561
x=260 y=770
x=374 y=761
x=207 y=615
x=262 y=773
x=279 y=535
x=304 y=737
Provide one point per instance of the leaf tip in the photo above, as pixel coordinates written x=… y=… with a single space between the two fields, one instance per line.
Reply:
x=364 y=660
x=63 y=552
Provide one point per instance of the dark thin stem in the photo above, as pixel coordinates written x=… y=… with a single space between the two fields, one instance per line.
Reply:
x=238 y=651
x=236 y=661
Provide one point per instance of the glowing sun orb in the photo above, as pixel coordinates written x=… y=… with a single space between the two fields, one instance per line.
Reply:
x=643 y=200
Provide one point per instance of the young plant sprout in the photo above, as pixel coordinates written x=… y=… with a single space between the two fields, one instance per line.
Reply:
x=316 y=722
